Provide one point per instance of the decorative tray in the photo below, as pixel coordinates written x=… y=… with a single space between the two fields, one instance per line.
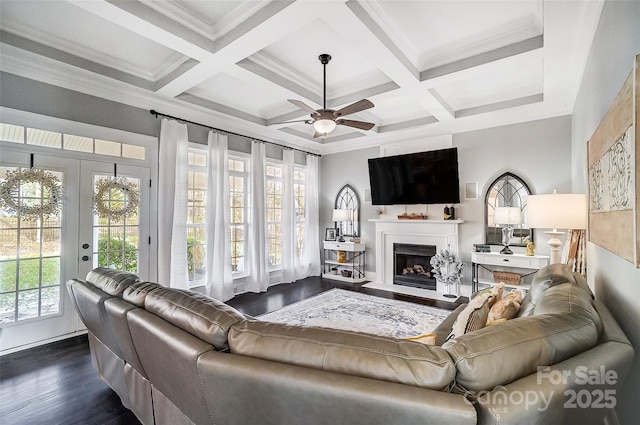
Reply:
x=412 y=216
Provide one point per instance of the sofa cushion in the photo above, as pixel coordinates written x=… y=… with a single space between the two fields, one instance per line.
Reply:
x=498 y=355
x=111 y=281
x=137 y=293
x=198 y=314
x=345 y=352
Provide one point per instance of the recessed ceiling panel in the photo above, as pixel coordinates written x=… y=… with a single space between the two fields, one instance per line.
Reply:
x=434 y=33
x=212 y=18
x=215 y=12
x=252 y=94
x=347 y=72
x=509 y=79
x=63 y=26
x=393 y=108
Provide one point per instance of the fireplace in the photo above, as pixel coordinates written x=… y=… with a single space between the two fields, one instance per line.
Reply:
x=412 y=265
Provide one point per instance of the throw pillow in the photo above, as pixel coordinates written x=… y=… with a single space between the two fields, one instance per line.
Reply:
x=495 y=290
x=427 y=339
x=473 y=317
x=506 y=308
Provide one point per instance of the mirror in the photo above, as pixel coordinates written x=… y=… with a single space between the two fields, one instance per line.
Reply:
x=508 y=190
x=347 y=199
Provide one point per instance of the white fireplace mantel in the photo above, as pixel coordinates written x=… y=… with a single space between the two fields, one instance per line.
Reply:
x=441 y=233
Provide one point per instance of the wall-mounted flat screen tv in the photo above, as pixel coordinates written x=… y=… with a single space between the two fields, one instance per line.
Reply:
x=418 y=178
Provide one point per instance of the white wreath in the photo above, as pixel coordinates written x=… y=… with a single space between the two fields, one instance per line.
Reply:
x=51 y=189
x=102 y=198
x=446 y=267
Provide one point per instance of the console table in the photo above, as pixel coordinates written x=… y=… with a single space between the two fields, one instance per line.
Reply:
x=524 y=265
x=354 y=261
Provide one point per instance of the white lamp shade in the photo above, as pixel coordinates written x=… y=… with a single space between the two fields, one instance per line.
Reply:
x=507 y=215
x=324 y=126
x=557 y=211
x=341 y=215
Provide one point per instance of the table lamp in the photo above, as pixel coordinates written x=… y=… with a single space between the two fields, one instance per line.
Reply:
x=557 y=211
x=507 y=216
x=340 y=215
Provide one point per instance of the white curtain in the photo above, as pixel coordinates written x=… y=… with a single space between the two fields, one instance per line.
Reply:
x=257 y=247
x=311 y=251
x=219 y=275
x=172 y=205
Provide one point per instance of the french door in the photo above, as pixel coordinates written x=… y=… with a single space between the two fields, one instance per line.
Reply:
x=38 y=256
x=119 y=243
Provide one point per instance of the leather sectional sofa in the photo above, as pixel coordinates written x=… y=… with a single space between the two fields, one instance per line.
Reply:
x=179 y=357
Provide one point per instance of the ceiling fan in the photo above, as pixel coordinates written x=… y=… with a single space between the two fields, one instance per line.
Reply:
x=325 y=120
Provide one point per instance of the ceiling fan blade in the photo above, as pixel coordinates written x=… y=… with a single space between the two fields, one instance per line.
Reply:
x=356 y=124
x=303 y=106
x=289 y=122
x=358 y=106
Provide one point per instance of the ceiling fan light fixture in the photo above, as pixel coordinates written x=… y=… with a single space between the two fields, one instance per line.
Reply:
x=324 y=126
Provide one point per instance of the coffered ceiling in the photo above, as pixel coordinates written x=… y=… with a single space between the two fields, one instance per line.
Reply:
x=430 y=67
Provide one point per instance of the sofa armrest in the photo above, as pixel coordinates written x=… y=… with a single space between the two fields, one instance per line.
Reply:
x=272 y=393
x=562 y=393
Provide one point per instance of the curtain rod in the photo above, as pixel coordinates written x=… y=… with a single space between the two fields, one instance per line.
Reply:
x=156 y=113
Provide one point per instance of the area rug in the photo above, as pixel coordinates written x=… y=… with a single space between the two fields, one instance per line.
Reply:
x=348 y=310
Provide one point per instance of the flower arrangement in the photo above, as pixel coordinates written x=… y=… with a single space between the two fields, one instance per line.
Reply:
x=16 y=201
x=118 y=191
x=446 y=267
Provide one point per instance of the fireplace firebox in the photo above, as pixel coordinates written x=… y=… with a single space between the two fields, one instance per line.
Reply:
x=412 y=265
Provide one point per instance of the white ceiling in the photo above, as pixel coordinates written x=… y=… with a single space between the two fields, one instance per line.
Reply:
x=431 y=67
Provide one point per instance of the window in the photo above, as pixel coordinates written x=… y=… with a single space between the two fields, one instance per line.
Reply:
x=274 y=214
x=238 y=211
x=299 y=199
x=70 y=142
x=30 y=259
x=196 y=215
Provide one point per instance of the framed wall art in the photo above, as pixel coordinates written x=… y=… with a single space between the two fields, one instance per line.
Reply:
x=613 y=156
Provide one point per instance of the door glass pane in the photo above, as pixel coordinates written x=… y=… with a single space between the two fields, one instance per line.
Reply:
x=116 y=239
x=29 y=258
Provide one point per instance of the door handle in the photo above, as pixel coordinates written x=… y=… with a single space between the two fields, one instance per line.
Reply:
x=85 y=246
x=85 y=258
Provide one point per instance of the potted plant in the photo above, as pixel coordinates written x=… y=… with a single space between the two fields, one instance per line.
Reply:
x=447 y=269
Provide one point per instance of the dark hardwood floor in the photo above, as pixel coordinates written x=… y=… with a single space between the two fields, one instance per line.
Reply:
x=56 y=383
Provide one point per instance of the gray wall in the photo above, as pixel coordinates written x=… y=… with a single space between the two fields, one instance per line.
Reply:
x=538 y=151
x=349 y=168
x=33 y=96
x=41 y=98
x=616 y=281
